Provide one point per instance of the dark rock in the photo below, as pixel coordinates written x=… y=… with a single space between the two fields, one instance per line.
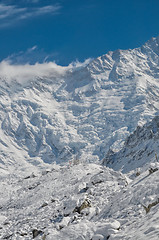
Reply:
x=84 y=205
x=152 y=170
x=36 y=232
x=44 y=204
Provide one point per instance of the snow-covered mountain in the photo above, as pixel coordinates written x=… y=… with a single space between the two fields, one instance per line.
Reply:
x=57 y=125
x=51 y=114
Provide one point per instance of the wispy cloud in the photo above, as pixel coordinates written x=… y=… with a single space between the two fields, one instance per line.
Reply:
x=40 y=11
x=10 y=11
x=33 y=1
x=31 y=56
x=11 y=14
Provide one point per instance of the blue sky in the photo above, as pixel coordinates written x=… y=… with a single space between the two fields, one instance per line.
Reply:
x=69 y=30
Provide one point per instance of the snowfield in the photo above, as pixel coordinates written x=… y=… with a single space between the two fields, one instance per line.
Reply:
x=79 y=148
x=80 y=202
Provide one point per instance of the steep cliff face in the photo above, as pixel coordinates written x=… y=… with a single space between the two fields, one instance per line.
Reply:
x=140 y=149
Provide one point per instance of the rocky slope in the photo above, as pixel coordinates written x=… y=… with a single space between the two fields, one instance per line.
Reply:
x=140 y=149
x=80 y=202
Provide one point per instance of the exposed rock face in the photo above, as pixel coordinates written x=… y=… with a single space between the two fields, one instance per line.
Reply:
x=36 y=233
x=140 y=148
x=84 y=205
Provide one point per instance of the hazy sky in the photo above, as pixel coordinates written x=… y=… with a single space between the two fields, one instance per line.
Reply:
x=68 y=30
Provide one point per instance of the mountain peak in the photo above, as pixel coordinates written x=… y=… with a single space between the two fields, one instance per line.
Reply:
x=151 y=47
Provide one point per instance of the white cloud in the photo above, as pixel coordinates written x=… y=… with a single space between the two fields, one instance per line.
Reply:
x=33 y=1
x=76 y=65
x=10 y=14
x=31 y=56
x=7 y=11
x=32 y=49
x=23 y=73
x=40 y=11
x=27 y=72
